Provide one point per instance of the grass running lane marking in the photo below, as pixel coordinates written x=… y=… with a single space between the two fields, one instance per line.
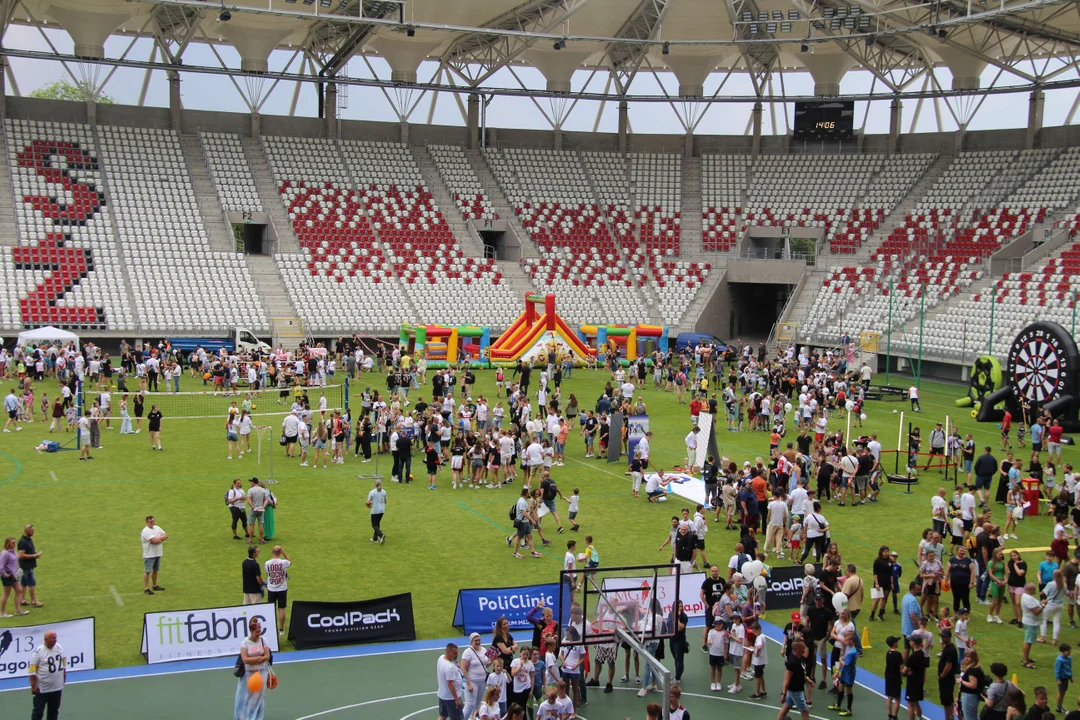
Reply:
x=116 y=596
x=52 y=474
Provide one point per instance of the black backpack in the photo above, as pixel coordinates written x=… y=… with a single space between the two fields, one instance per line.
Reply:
x=513 y=514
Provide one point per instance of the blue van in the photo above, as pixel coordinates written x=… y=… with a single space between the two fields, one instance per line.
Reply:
x=692 y=339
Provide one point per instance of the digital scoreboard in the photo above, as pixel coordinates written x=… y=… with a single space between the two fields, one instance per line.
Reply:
x=829 y=121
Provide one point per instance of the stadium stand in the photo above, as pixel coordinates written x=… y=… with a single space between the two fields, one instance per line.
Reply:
x=178 y=282
x=230 y=172
x=66 y=269
x=462 y=183
x=723 y=182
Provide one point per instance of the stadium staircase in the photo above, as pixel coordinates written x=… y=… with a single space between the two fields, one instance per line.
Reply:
x=220 y=235
x=9 y=234
x=269 y=195
x=499 y=202
x=697 y=308
x=690 y=212
x=272 y=292
x=110 y=199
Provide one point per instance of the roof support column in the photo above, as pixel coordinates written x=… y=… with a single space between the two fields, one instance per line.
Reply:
x=3 y=87
x=624 y=125
x=256 y=124
x=330 y=129
x=558 y=137
x=473 y=136
x=1035 y=118
x=176 y=106
x=896 y=113
x=755 y=120
x=688 y=144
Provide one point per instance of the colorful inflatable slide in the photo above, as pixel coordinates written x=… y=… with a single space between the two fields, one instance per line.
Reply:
x=532 y=335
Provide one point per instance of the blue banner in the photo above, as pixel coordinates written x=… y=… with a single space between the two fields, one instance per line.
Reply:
x=637 y=426
x=478 y=609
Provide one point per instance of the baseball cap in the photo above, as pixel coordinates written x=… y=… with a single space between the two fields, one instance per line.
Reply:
x=894 y=554
x=962 y=611
x=796 y=617
x=717 y=621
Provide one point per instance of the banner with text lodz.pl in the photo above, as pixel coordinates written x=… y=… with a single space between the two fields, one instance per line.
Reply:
x=478 y=608
x=319 y=624
x=206 y=633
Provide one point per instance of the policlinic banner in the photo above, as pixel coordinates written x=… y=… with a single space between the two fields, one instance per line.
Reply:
x=17 y=645
x=319 y=624
x=478 y=608
x=206 y=633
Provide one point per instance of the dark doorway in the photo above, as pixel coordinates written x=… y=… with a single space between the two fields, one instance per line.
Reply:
x=493 y=244
x=755 y=308
x=250 y=239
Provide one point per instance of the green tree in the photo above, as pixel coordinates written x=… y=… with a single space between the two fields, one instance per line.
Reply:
x=66 y=90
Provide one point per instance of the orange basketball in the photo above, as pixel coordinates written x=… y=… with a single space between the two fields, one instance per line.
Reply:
x=255 y=682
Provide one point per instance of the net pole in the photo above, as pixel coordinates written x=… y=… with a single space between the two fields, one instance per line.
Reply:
x=78 y=414
x=899 y=442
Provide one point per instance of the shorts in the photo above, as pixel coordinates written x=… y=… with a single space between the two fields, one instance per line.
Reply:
x=573 y=515
x=819 y=437
x=290 y=439
x=253 y=599
x=968 y=525
x=457 y=462
x=10 y=581
x=278 y=597
x=752 y=520
x=759 y=671
x=524 y=529
x=1063 y=686
x=319 y=444
x=968 y=464
x=822 y=646
x=13 y=413
x=947 y=692
x=982 y=482
x=937 y=451
x=1036 y=447
x=931 y=591
x=860 y=482
x=254 y=516
x=152 y=564
x=1031 y=634
x=699 y=544
x=28 y=579
x=477 y=463
x=716 y=660
x=550 y=505
x=796 y=699
x=448 y=709
x=231 y=437
x=1053 y=448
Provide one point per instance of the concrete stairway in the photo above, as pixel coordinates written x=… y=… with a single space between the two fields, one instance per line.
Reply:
x=690 y=227
x=269 y=195
x=447 y=206
x=9 y=234
x=799 y=310
x=499 y=202
x=221 y=236
x=896 y=218
x=693 y=313
x=272 y=292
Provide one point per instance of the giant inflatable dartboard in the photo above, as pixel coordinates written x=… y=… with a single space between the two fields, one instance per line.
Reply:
x=1041 y=372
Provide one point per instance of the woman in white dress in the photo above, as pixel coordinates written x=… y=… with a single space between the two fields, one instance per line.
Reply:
x=125 y=417
x=474 y=666
x=255 y=654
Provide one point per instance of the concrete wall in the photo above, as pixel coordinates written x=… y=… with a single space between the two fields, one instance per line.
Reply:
x=774 y=272
x=716 y=317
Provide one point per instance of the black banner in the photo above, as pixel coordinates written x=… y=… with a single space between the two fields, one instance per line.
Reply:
x=786 y=587
x=319 y=624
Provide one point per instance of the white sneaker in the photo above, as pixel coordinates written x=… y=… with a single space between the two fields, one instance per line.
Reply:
x=989 y=618
x=6 y=430
x=454 y=485
x=303 y=464
x=998 y=620
x=18 y=429
x=642 y=692
x=735 y=690
x=714 y=687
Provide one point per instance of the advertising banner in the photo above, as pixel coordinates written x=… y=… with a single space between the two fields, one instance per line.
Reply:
x=17 y=645
x=638 y=426
x=478 y=609
x=786 y=587
x=689 y=585
x=320 y=624
x=205 y=633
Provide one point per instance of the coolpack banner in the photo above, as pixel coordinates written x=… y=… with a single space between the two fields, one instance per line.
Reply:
x=638 y=426
x=786 y=587
x=629 y=589
x=206 y=633
x=17 y=645
x=478 y=608
x=321 y=624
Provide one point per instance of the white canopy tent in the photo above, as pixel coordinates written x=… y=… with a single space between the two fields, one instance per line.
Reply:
x=48 y=336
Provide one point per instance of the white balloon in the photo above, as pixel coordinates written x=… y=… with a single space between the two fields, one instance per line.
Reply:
x=839 y=601
x=752 y=570
x=787 y=407
x=894 y=412
x=760 y=582
x=863 y=416
x=849 y=405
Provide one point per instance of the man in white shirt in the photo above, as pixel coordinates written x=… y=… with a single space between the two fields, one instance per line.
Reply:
x=967 y=510
x=152 y=537
x=277 y=583
x=691 y=448
x=48 y=673
x=913 y=396
x=534 y=461
x=449 y=679
x=11 y=407
x=627 y=389
x=643 y=449
x=290 y=428
x=874 y=447
x=799 y=500
x=777 y=511
x=655 y=488
x=939 y=511
x=376 y=502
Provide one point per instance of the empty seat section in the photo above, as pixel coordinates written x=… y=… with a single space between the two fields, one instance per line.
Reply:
x=723 y=182
x=230 y=172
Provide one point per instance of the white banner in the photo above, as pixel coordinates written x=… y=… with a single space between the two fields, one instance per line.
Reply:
x=17 y=645
x=631 y=588
x=206 y=633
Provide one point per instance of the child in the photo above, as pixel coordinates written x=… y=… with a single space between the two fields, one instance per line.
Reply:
x=490 y=709
x=566 y=703
x=498 y=678
x=794 y=540
x=960 y=633
x=717 y=641
x=570 y=565
x=925 y=636
x=1062 y=673
x=897 y=571
x=592 y=558
x=574 y=500
x=957 y=533
x=736 y=640
x=759 y=658
x=848 y=658
x=894 y=679
x=766 y=572
x=549 y=709
x=1013 y=500
x=945 y=621
x=729 y=493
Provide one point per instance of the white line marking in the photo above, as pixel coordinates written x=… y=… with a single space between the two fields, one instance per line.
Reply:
x=116 y=596
x=368 y=702
x=53 y=476
x=724 y=699
x=414 y=714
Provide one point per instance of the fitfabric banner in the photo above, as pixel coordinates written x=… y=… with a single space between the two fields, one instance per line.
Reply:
x=206 y=633
x=639 y=425
x=17 y=645
x=478 y=609
x=320 y=624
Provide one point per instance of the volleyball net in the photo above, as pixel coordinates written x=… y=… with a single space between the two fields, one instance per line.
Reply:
x=211 y=403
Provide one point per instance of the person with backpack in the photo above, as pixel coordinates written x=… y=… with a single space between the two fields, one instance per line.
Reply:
x=235 y=501
x=521 y=518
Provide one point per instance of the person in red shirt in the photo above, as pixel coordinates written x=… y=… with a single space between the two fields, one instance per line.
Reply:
x=695 y=409
x=760 y=486
x=1006 y=426
x=1053 y=440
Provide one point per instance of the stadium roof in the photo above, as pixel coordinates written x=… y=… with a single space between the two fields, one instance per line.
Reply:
x=901 y=42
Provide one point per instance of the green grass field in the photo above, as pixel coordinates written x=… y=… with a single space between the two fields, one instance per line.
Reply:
x=89 y=515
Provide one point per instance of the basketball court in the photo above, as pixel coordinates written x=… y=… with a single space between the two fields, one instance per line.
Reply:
x=392 y=682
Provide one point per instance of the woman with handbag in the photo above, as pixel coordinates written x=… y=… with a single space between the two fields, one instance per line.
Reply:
x=9 y=577
x=255 y=657
x=679 y=644
x=474 y=666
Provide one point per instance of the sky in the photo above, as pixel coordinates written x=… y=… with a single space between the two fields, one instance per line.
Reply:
x=219 y=93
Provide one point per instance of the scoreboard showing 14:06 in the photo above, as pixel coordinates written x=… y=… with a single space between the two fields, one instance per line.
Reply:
x=829 y=121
